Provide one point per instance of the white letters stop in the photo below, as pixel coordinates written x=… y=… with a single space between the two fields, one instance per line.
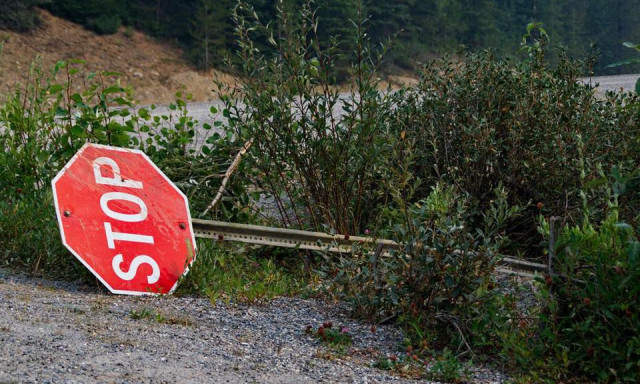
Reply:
x=141 y=215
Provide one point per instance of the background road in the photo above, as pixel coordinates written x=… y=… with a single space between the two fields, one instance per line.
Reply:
x=200 y=111
x=613 y=83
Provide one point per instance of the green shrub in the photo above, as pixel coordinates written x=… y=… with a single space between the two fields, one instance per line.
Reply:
x=585 y=325
x=480 y=122
x=19 y=15
x=592 y=324
x=100 y=16
x=105 y=24
x=435 y=282
x=323 y=168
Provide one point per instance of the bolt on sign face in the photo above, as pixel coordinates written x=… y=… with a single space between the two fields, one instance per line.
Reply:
x=124 y=220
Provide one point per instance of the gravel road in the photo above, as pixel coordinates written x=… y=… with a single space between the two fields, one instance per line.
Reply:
x=200 y=111
x=60 y=332
x=613 y=83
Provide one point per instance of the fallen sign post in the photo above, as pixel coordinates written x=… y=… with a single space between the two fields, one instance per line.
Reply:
x=131 y=226
x=319 y=241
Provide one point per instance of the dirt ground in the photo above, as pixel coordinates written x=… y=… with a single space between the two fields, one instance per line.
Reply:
x=68 y=332
x=155 y=69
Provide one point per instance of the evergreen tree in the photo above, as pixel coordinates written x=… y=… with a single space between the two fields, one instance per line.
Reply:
x=211 y=32
x=19 y=15
x=481 y=19
x=335 y=19
x=427 y=27
x=391 y=18
x=101 y=16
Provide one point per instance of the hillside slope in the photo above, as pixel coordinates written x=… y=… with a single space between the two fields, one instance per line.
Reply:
x=155 y=69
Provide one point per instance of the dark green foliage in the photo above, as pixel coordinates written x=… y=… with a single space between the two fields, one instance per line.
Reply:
x=103 y=17
x=595 y=309
x=434 y=282
x=485 y=122
x=212 y=32
x=587 y=328
x=105 y=25
x=443 y=167
x=19 y=15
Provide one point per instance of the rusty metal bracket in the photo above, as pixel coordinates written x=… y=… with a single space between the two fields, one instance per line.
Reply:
x=319 y=241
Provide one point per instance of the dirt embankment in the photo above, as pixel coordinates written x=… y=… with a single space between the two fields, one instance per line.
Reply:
x=155 y=69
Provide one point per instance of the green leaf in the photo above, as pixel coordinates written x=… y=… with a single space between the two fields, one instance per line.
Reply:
x=55 y=88
x=633 y=251
x=624 y=226
x=61 y=111
x=107 y=73
x=144 y=113
x=59 y=65
x=76 y=131
x=121 y=101
x=624 y=62
x=112 y=89
x=629 y=44
x=42 y=157
x=77 y=98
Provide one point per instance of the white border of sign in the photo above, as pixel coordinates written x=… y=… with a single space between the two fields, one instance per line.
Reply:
x=64 y=241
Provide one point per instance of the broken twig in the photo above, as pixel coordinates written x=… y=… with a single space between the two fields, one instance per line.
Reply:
x=227 y=176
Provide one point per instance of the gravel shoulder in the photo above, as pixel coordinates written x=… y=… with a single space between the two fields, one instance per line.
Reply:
x=60 y=332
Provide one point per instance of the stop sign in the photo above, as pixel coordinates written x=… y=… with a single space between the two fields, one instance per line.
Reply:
x=124 y=220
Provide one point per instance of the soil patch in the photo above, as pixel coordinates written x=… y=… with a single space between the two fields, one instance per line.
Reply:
x=155 y=69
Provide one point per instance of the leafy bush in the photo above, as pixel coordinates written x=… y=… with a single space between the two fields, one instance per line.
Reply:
x=105 y=24
x=47 y=121
x=584 y=327
x=318 y=153
x=480 y=122
x=434 y=282
x=103 y=17
x=592 y=323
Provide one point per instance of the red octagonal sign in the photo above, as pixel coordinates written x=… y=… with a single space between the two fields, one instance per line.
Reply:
x=124 y=220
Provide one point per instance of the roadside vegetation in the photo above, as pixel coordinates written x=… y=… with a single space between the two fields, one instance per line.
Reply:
x=484 y=157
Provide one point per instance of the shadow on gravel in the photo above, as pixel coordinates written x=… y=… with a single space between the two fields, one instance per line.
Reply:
x=12 y=276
